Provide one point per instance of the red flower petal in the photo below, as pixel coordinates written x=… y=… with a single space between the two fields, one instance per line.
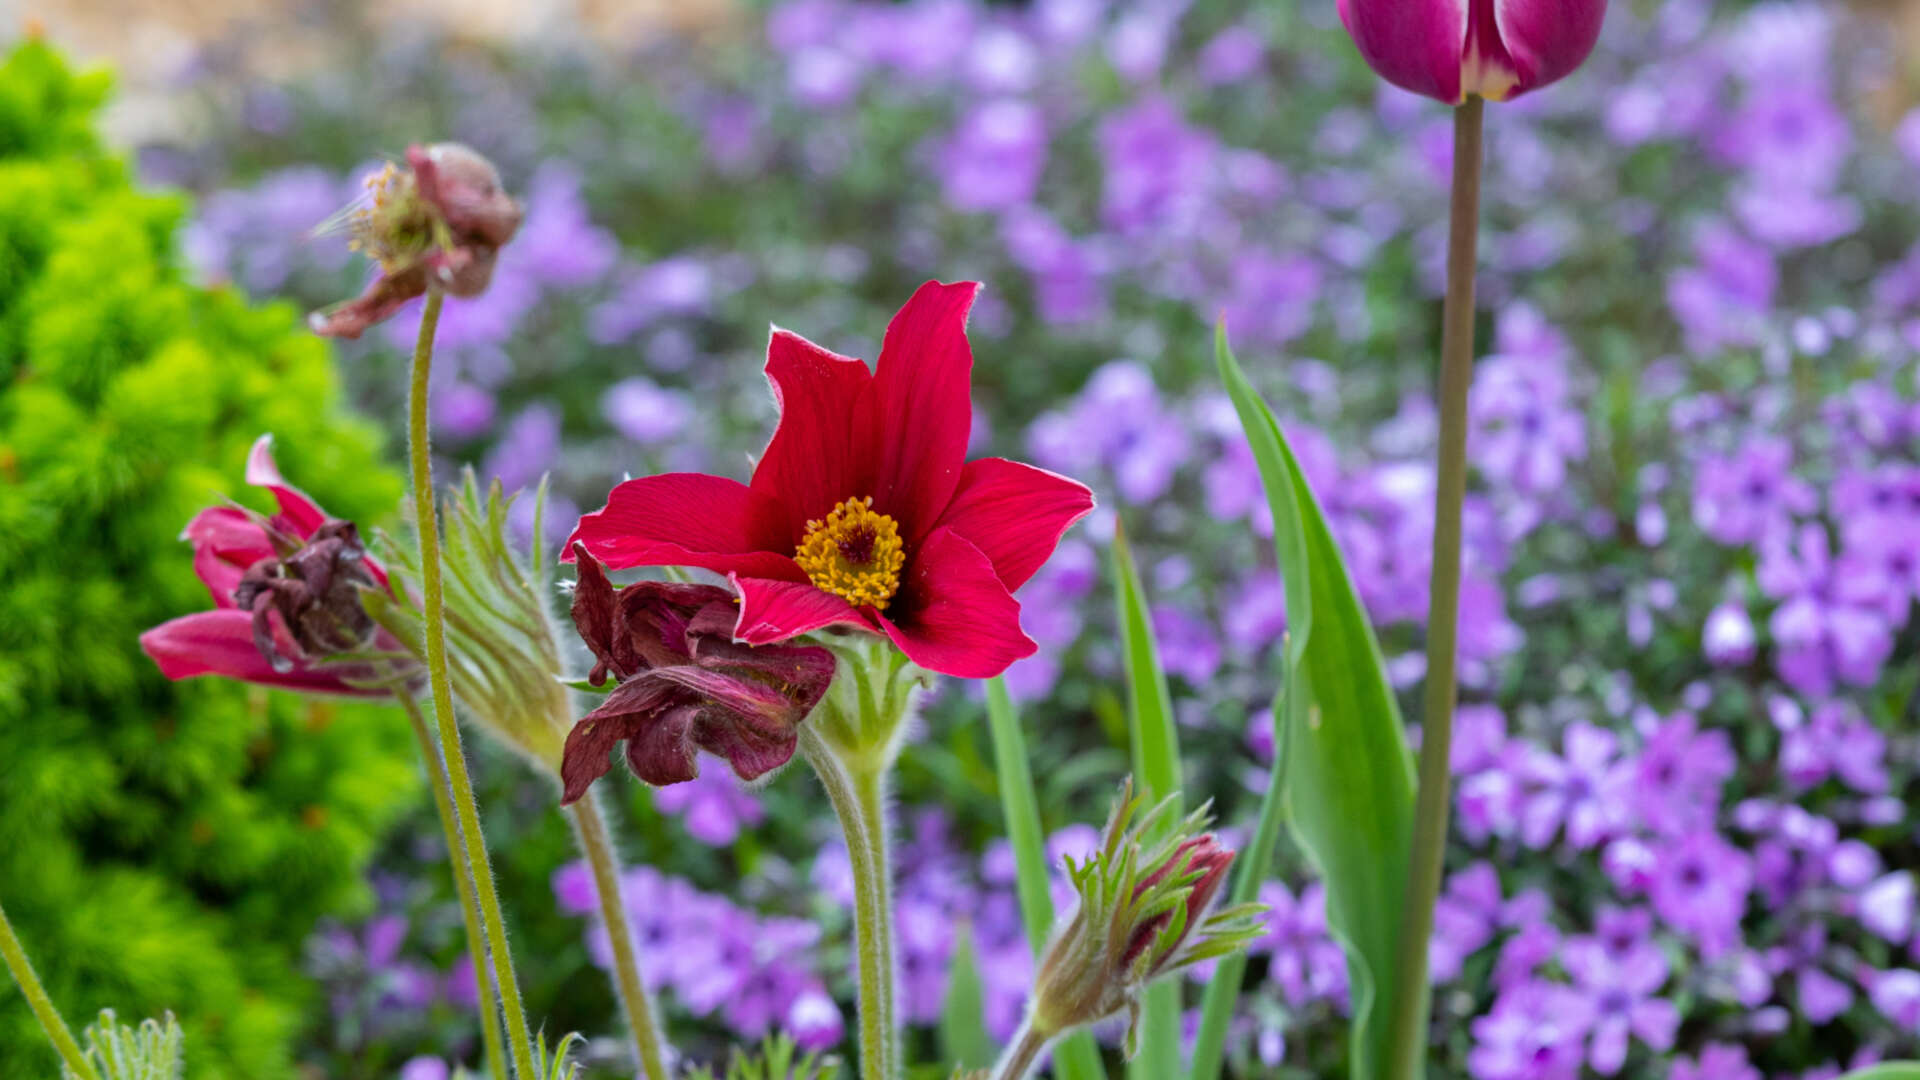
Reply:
x=303 y=513
x=226 y=540
x=925 y=408
x=689 y=519
x=1015 y=513
x=773 y=611
x=956 y=616
x=822 y=452
x=221 y=643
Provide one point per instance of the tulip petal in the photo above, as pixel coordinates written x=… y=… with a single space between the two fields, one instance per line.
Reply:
x=1547 y=39
x=773 y=611
x=925 y=406
x=303 y=513
x=955 y=615
x=1417 y=45
x=221 y=643
x=822 y=452
x=1015 y=513
x=689 y=519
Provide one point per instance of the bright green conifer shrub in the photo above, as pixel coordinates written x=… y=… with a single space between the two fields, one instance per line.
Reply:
x=162 y=846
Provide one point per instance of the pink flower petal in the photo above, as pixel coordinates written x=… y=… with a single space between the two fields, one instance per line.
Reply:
x=955 y=616
x=773 y=611
x=823 y=450
x=689 y=519
x=303 y=513
x=1547 y=39
x=1417 y=45
x=925 y=407
x=1015 y=513
x=221 y=643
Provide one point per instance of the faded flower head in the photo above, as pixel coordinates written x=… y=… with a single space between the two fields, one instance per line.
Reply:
x=440 y=222
x=1142 y=915
x=288 y=597
x=682 y=684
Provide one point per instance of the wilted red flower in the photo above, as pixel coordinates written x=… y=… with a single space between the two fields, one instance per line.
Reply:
x=863 y=512
x=285 y=593
x=442 y=220
x=684 y=685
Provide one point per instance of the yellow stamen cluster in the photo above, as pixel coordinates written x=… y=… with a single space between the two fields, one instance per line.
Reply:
x=855 y=553
x=393 y=226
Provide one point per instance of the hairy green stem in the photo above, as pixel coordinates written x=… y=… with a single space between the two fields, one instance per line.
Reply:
x=41 y=1004
x=462 y=884
x=598 y=845
x=1023 y=1053
x=1408 y=1011
x=460 y=782
x=857 y=791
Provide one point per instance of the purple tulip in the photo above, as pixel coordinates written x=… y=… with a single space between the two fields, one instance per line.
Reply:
x=1448 y=49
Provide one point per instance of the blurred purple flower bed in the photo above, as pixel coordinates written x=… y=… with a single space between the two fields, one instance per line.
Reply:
x=1684 y=834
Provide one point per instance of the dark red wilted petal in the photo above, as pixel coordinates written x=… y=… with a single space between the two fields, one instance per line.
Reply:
x=954 y=615
x=923 y=389
x=1015 y=513
x=381 y=300
x=627 y=714
x=594 y=602
x=823 y=449
x=773 y=611
x=221 y=643
x=689 y=519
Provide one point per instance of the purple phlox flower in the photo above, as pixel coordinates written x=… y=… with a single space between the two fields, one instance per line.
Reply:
x=1750 y=496
x=1066 y=273
x=832 y=873
x=528 y=447
x=1584 y=788
x=1728 y=638
x=1879 y=563
x=1819 y=636
x=994 y=158
x=1302 y=957
x=1524 y=432
x=1717 y=1061
x=926 y=951
x=1835 y=741
x=1725 y=297
x=574 y=890
x=1789 y=134
x=679 y=285
x=813 y=1018
x=1887 y=490
x=1699 y=888
x=1886 y=906
x=1189 y=647
x=1681 y=772
x=1794 y=854
x=923 y=41
x=1536 y=1031
x=1464 y=920
x=1160 y=171
x=1787 y=214
x=1257 y=613
x=645 y=412
x=1118 y=422
x=558 y=244
x=1532 y=944
x=1232 y=55
x=1820 y=995
x=1853 y=863
x=1479 y=735
x=715 y=806
x=730 y=958
x=1896 y=994
x=1003 y=59
x=1622 y=994
x=462 y=410
x=1077 y=841
x=259 y=237
x=425 y=1068
x=1270 y=296
x=765 y=997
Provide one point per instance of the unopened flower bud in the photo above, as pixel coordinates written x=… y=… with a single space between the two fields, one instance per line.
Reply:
x=1498 y=49
x=440 y=223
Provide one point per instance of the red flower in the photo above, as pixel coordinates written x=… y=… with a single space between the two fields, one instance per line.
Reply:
x=315 y=557
x=683 y=684
x=863 y=512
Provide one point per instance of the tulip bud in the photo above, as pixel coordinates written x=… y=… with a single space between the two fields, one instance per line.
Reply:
x=1450 y=49
x=439 y=222
x=1142 y=915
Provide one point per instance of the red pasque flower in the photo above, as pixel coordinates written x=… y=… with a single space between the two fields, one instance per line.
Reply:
x=863 y=512
x=684 y=685
x=284 y=591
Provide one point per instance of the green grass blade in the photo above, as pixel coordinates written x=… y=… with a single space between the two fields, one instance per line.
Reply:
x=1075 y=1057
x=1349 y=777
x=963 y=1029
x=1888 y=1070
x=1156 y=768
x=1223 y=990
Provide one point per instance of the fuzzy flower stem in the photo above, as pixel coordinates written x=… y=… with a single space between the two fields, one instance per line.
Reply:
x=1408 y=1011
x=462 y=884
x=460 y=783
x=598 y=845
x=857 y=791
x=1022 y=1054
x=42 y=1005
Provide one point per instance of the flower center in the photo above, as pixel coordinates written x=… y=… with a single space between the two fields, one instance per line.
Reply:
x=855 y=553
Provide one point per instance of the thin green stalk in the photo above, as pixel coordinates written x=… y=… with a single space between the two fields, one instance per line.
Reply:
x=598 y=845
x=460 y=782
x=1408 y=1019
x=462 y=884
x=41 y=1004
x=1022 y=1054
x=1077 y=1058
x=858 y=800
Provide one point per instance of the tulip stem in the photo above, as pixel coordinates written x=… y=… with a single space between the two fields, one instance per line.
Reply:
x=57 y=1031
x=462 y=884
x=1408 y=1016
x=634 y=999
x=857 y=791
x=1022 y=1054
x=460 y=782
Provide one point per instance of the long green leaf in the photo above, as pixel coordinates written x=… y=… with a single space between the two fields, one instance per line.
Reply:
x=963 y=1029
x=1076 y=1057
x=1349 y=777
x=1156 y=768
x=1890 y=1070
